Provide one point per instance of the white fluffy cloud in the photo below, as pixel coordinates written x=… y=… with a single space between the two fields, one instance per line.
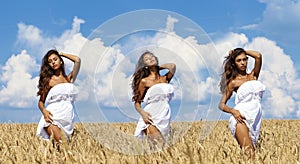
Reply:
x=280 y=76
x=20 y=87
x=106 y=71
x=19 y=75
x=37 y=42
x=278 y=73
x=281 y=15
x=281 y=22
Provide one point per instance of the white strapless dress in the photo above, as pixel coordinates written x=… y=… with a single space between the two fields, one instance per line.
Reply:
x=157 y=104
x=248 y=102
x=60 y=102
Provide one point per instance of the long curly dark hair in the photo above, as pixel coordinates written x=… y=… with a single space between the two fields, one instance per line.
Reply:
x=47 y=72
x=141 y=71
x=230 y=69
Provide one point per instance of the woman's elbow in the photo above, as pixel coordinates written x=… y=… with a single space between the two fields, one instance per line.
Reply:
x=77 y=60
x=259 y=55
x=221 y=106
x=173 y=67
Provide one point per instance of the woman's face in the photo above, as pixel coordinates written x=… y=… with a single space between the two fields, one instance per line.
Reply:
x=241 y=62
x=54 y=61
x=149 y=60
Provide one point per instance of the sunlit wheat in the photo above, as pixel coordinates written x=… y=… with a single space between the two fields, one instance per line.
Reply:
x=279 y=143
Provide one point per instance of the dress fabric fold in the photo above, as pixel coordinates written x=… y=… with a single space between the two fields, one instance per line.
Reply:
x=248 y=101
x=157 y=104
x=60 y=102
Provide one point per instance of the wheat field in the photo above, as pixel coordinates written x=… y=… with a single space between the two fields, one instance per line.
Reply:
x=279 y=143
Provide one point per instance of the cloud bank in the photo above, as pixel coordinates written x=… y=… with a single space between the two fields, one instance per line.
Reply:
x=109 y=77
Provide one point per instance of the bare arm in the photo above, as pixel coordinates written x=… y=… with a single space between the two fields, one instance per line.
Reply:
x=172 y=69
x=77 y=61
x=258 y=62
x=47 y=114
x=145 y=115
x=222 y=104
x=226 y=96
x=142 y=89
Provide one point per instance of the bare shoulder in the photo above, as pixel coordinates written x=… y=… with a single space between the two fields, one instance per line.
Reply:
x=164 y=77
x=144 y=82
x=233 y=85
x=252 y=75
x=52 y=82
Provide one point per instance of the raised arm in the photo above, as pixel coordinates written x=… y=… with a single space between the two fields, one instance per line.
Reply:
x=77 y=61
x=258 y=62
x=172 y=69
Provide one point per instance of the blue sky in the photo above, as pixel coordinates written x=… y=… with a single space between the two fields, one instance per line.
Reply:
x=30 y=28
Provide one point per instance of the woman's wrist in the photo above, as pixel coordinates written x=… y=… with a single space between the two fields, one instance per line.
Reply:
x=139 y=110
x=231 y=110
x=43 y=110
x=142 y=112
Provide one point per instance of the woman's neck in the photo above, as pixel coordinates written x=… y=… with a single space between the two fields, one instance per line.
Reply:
x=154 y=69
x=154 y=74
x=57 y=72
x=242 y=73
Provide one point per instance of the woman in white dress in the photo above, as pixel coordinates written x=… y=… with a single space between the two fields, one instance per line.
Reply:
x=57 y=94
x=246 y=116
x=155 y=91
